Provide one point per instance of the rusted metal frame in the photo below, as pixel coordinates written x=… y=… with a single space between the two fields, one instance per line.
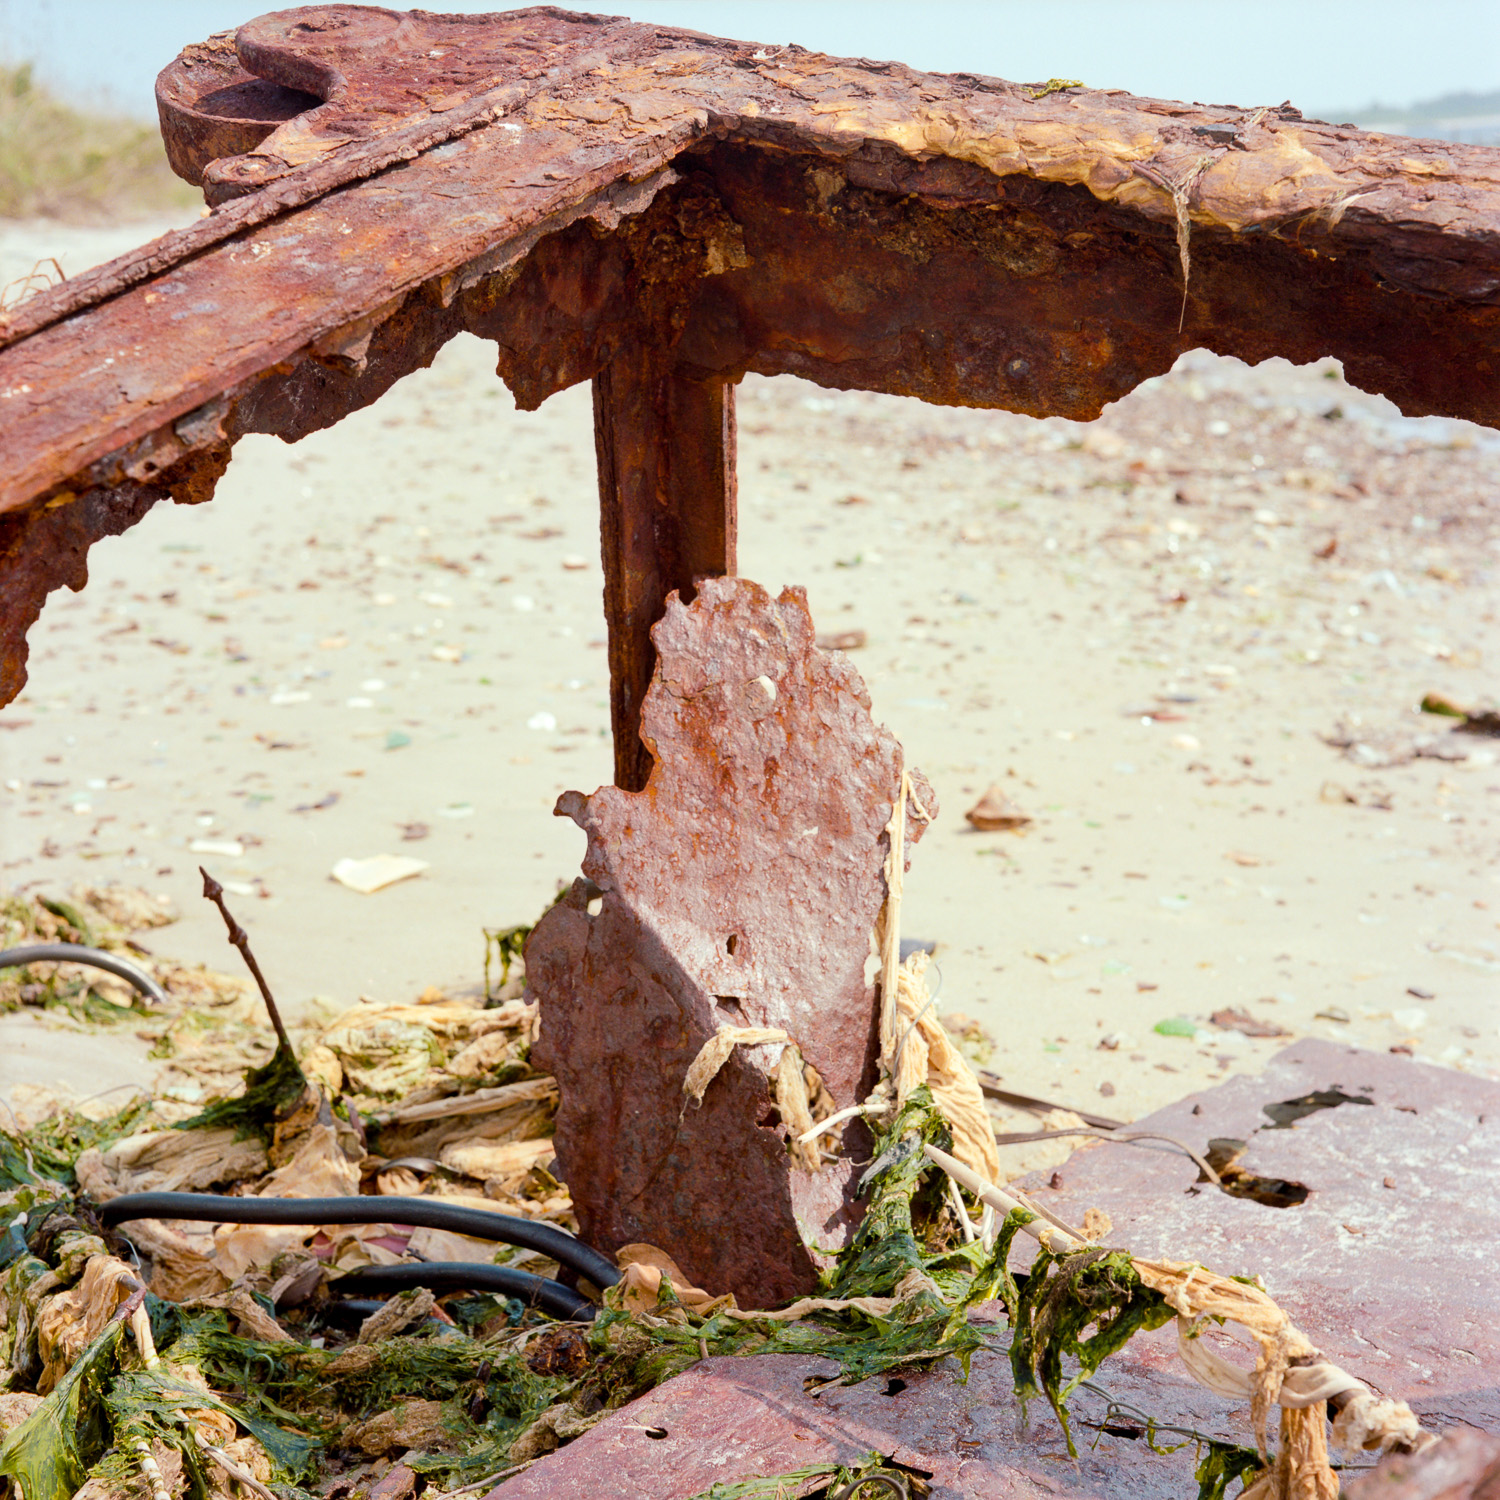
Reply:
x=878 y=271
x=92 y=388
x=873 y=263
x=46 y=548
x=665 y=441
x=276 y=189
x=556 y=317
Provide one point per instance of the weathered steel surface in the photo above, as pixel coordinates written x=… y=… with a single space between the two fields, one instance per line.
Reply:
x=740 y=889
x=211 y=107
x=861 y=224
x=1389 y=1265
x=729 y=1420
x=1464 y=1466
x=44 y=548
x=1395 y=1284
x=364 y=73
x=668 y=515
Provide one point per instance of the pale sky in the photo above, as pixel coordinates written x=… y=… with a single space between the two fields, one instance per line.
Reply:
x=1329 y=57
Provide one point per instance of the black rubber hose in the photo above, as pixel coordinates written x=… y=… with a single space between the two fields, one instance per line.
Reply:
x=468 y=1276
x=426 y=1213
x=95 y=958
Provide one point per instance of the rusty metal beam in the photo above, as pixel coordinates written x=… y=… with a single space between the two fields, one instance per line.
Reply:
x=667 y=515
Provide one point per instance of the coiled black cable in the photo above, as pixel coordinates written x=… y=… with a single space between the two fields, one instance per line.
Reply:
x=468 y=1276
x=95 y=958
x=425 y=1213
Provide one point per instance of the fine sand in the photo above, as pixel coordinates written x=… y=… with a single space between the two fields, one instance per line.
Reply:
x=388 y=639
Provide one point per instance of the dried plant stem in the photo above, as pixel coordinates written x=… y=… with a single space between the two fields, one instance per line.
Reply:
x=1126 y=1137
x=234 y=1470
x=1056 y=1237
x=837 y=1118
x=964 y=1222
x=152 y=1470
x=237 y=936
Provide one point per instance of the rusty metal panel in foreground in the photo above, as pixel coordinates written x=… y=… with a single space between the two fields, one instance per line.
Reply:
x=1395 y=1284
x=739 y=889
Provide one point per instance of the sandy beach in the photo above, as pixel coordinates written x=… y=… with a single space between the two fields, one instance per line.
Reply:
x=388 y=639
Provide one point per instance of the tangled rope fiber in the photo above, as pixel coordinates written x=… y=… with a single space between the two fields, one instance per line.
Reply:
x=1290 y=1373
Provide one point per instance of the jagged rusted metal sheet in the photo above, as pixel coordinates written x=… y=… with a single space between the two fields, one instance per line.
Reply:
x=662 y=211
x=740 y=888
x=1464 y=1466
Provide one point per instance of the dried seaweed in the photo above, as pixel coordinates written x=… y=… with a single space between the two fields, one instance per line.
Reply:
x=499 y=1402
x=789 y=1482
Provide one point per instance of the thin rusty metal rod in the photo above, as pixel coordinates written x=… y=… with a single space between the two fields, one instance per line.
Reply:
x=990 y=1085
x=238 y=937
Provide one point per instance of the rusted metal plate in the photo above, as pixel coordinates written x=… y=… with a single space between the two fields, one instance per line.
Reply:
x=961 y=239
x=729 y=1420
x=1464 y=1466
x=1394 y=1284
x=740 y=889
x=1389 y=1263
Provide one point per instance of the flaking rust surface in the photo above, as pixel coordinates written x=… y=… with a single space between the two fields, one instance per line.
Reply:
x=1396 y=1283
x=732 y=1420
x=1464 y=1466
x=740 y=888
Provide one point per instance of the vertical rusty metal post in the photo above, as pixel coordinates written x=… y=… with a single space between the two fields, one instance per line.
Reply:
x=666 y=449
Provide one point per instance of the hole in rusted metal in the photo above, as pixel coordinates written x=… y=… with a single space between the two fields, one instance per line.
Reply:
x=256 y=99
x=894 y=1386
x=1223 y=1155
x=731 y=1007
x=1285 y=1114
x=732 y=944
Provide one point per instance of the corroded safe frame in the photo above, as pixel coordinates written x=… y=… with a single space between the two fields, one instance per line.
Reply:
x=659 y=212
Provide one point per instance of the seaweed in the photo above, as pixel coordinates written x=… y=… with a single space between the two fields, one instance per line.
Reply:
x=1067 y=1315
x=273 y=1091
x=270 y=1093
x=1221 y=1465
x=1052 y=1306
x=840 y=1481
x=507 y=944
x=885 y=1247
x=51 y=1452
x=56 y=1144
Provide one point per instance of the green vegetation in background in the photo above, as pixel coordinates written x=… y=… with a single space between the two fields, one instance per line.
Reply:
x=57 y=162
